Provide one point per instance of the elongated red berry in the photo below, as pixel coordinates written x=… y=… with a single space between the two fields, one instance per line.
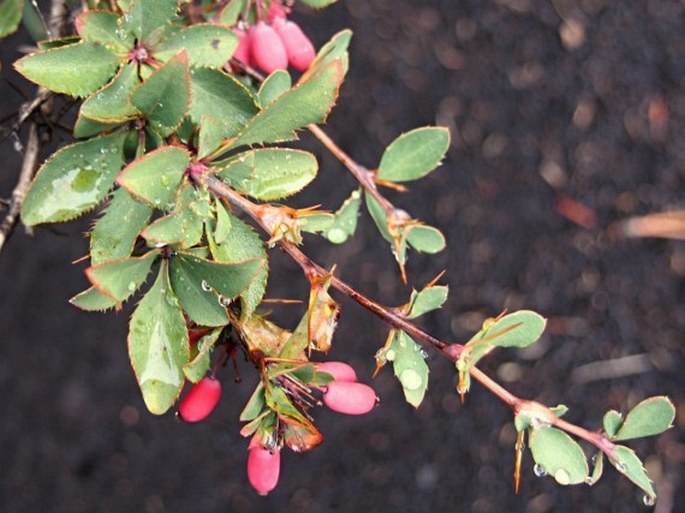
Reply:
x=350 y=398
x=200 y=400
x=299 y=48
x=339 y=370
x=276 y=11
x=267 y=48
x=242 y=51
x=263 y=468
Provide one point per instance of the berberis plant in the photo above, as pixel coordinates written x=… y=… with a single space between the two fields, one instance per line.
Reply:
x=185 y=109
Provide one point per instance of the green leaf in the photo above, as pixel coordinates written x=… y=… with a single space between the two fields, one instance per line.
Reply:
x=206 y=44
x=650 y=417
x=378 y=216
x=270 y=174
x=335 y=49
x=184 y=225
x=241 y=244
x=210 y=136
x=164 y=98
x=204 y=287
x=345 y=221
x=221 y=96
x=156 y=176
x=147 y=18
x=278 y=401
x=92 y=300
x=115 y=233
x=318 y=4
x=315 y=222
x=10 y=16
x=231 y=12
x=425 y=238
x=77 y=70
x=612 y=422
x=627 y=463
x=119 y=279
x=158 y=345
x=34 y=22
x=223 y=222
x=104 y=27
x=255 y=404
x=430 y=298
x=85 y=127
x=559 y=410
x=47 y=44
x=559 y=455
x=74 y=180
x=410 y=367
x=413 y=155
x=275 y=85
x=518 y=329
x=112 y=103
x=308 y=102
x=196 y=368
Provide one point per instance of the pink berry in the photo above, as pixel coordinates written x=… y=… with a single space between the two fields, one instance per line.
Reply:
x=263 y=468
x=242 y=51
x=339 y=370
x=299 y=48
x=276 y=10
x=350 y=398
x=267 y=48
x=200 y=400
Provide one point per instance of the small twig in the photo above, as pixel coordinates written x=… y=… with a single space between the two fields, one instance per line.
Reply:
x=398 y=321
x=56 y=25
x=19 y=193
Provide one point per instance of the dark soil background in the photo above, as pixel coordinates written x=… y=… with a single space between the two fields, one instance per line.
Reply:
x=546 y=100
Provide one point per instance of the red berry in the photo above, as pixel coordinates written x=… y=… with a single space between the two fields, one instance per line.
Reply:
x=242 y=51
x=263 y=468
x=339 y=370
x=299 y=48
x=200 y=400
x=350 y=398
x=267 y=48
x=276 y=10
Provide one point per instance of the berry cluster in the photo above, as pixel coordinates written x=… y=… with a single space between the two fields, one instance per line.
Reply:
x=274 y=43
x=343 y=395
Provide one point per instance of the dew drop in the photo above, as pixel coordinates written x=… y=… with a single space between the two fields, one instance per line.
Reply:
x=539 y=470
x=206 y=287
x=410 y=379
x=648 y=500
x=132 y=286
x=589 y=481
x=621 y=467
x=224 y=301
x=562 y=477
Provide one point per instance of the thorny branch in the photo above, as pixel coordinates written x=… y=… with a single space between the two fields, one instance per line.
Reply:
x=399 y=321
x=364 y=176
x=56 y=26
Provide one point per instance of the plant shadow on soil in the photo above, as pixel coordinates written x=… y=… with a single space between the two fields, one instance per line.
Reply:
x=545 y=100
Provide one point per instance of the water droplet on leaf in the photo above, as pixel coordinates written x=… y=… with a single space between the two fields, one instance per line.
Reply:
x=206 y=287
x=539 y=470
x=132 y=286
x=562 y=477
x=648 y=500
x=410 y=379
